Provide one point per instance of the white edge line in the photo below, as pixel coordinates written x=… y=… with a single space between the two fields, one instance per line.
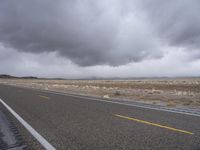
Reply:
x=121 y=103
x=38 y=137
x=101 y=100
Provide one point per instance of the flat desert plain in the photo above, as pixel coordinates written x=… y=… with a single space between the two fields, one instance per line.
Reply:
x=171 y=92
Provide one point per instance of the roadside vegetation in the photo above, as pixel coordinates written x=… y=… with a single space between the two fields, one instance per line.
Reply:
x=180 y=92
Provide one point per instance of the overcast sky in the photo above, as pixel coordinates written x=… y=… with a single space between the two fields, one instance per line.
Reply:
x=105 y=38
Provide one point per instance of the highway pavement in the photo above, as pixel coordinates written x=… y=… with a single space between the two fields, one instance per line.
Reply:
x=79 y=123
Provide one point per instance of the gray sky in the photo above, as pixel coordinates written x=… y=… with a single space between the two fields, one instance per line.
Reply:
x=107 y=38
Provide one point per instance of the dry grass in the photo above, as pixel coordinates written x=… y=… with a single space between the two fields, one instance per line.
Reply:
x=168 y=92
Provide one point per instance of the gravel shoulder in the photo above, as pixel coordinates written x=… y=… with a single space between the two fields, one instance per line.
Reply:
x=13 y=135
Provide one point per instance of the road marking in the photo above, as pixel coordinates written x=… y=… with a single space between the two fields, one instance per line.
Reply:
x=141 y=105
x=45 y=97
x=154 y=124
x=38 y=137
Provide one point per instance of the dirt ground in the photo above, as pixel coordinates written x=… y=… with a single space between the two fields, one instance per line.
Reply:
x=177 y=92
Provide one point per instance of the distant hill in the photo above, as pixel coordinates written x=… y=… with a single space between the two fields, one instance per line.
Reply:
x=29 y=77
x=5 y=76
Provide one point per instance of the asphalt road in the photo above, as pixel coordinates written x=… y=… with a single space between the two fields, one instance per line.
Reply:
x=72 y=123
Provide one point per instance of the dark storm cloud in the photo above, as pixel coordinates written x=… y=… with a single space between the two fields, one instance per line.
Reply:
x=86 y=32
x=177 y=21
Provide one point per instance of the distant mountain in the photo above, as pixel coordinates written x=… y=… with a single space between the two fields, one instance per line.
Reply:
x=29 y=77
x=5 y=76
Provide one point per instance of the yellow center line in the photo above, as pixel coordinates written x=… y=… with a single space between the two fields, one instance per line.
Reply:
x=45 y=97
x=154 y=124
